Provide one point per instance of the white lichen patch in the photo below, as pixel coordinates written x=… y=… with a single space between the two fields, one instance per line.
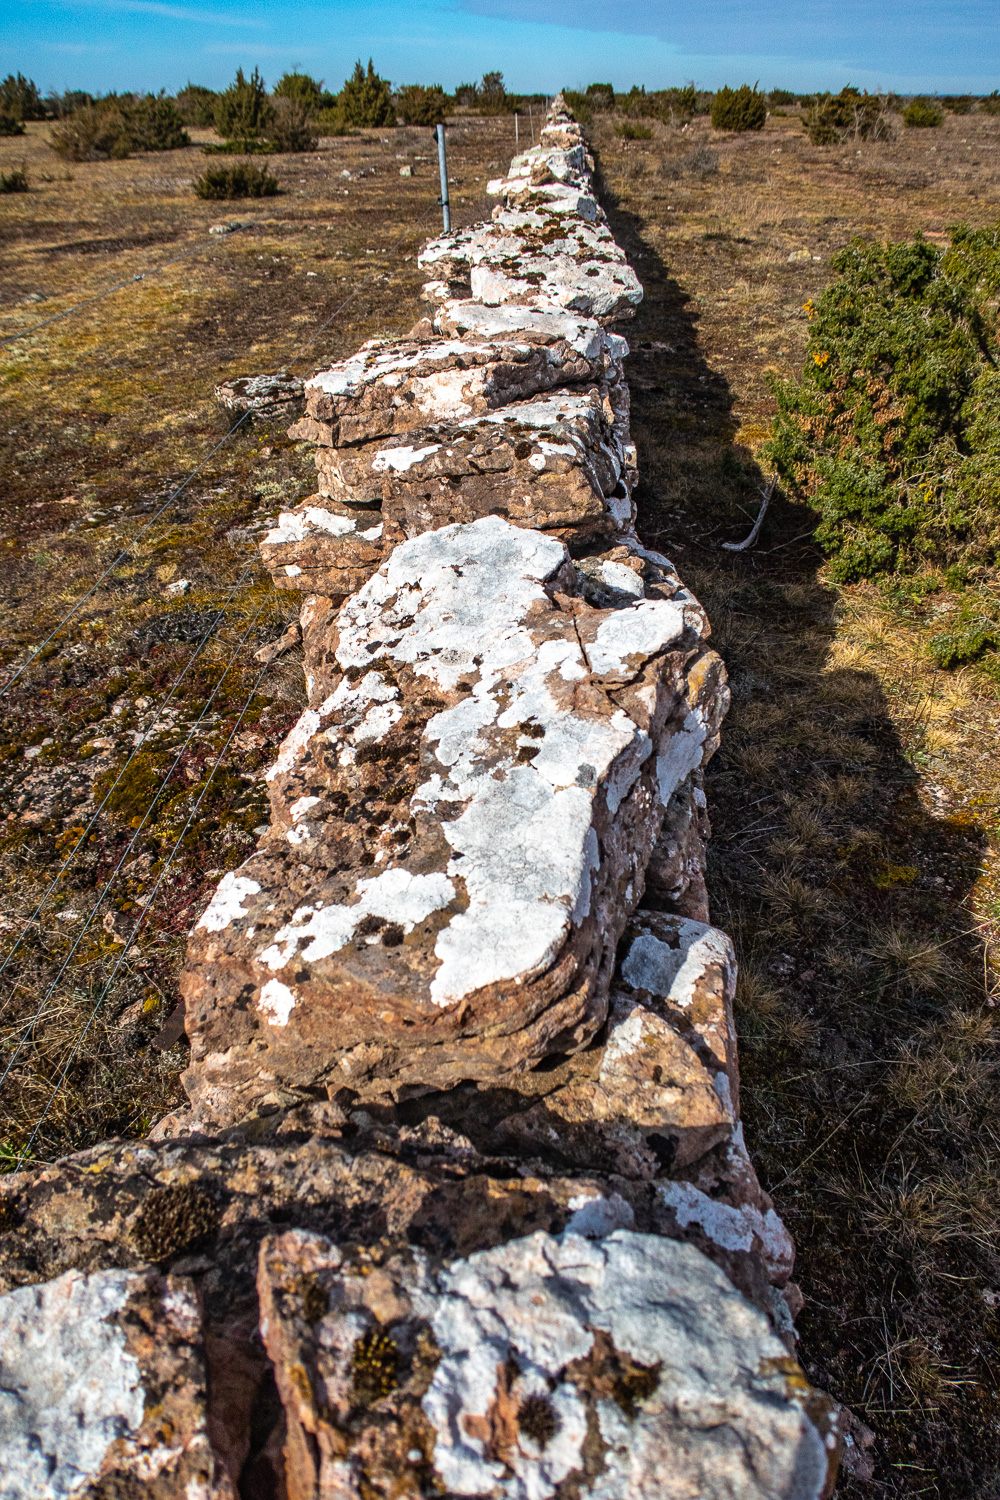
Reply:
x=68 y=1386
x=226 y=905
x=297 y=525
x=716 y=1418
x=276 y=1002
x=395 y=896
x=674 y=973
x=744 y=1228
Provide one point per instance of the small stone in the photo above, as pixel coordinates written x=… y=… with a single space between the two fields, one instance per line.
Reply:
x=406 y=171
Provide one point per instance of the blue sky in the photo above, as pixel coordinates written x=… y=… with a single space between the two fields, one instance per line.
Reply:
x=948 y=46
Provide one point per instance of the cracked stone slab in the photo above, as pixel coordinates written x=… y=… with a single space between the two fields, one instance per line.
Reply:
x=396 y=386
x=555 y=463
x=615 y=1366
x=103 y=1384
x=460 y=832
x=324 y=547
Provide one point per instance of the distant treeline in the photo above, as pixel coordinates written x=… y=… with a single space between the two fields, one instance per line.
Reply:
x=290 y=116
x=298 y=109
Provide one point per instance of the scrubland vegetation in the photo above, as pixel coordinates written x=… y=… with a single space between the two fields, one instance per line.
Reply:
x=821 y=305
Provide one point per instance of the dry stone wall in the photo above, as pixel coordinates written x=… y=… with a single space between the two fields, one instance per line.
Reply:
x=461 y=1204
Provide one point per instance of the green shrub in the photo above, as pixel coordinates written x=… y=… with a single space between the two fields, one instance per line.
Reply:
x=243 y=112
x=600 y=96
x=117 y=125
x=302 y=89
x=196 y=105
x=636 y=103
x=20 y=98
x=10 y=124
x=493 y=99
x=630 y=131
x=366 y=99
x=330 y=121
x=294 y=126
x=241 y=180
x=991 y=104
x=467 y=95
x=923 y=113
x=14 y=182
x=893 y=432
x=60 y=106
x=96 y=132
x=780 y=97
x=154 y=123
x=418 y=105
x=579 y=106
x=957 y=104
x=739 y=109
x=849 y=115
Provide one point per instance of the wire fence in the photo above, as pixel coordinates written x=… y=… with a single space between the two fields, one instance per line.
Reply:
x=27 y=1029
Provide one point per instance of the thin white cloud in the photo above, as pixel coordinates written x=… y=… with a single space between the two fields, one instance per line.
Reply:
x=176 y=13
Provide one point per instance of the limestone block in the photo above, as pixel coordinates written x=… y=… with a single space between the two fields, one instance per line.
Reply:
x=102 y=1383
x=627 y=1363
x=322 y=547
x=533 y=325
x=554 y=462
x=398 y=386
x=460 y=833
x=266 y=396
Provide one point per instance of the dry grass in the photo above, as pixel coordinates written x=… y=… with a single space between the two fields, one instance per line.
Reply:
x=862 y=887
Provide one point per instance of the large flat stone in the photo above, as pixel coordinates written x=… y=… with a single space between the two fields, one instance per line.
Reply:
x=401 y=385
x=626 y=1364
x=461 y=828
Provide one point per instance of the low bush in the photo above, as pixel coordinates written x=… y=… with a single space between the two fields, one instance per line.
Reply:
x=14 y=182
x=196 y=105
x=294 y=126
x=366 y=99
x=117 y=125
x=991 y=104
x=849 y=115
x=467 y=95
x=241 y=180
x=60 y=106
x=600 y=96
x=923 y=114
x=700 y=162
x=579 y=107
x=10 y=124
x=893 y=432
x=420 y=105
x=330 y=121
x=19 y=97
x=957 y=104
x=630 y=131
x=739 y=109
x=302 y=88
x=244 y=113
x=781 y=97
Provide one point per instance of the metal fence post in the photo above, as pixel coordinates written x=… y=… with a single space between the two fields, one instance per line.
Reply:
x=443 y=167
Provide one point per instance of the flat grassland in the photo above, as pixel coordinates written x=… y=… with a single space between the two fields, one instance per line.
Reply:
x=854 y=800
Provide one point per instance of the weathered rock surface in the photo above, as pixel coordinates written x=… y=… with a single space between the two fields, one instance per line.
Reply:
x=398 y=386
x=461 y=921
x=627 y=1367
x=270 y=396
x=103 y=1386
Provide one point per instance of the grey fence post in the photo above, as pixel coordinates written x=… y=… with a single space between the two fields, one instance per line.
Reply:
x=443 y=166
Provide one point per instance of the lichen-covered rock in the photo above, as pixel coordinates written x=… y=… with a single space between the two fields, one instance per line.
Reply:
x=555 y=463
x=266 y=396
x=324 y=547
x=398 y=386
x=103 y=1390
x=622 y=1367
x=544 y=260
x=461 y=829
